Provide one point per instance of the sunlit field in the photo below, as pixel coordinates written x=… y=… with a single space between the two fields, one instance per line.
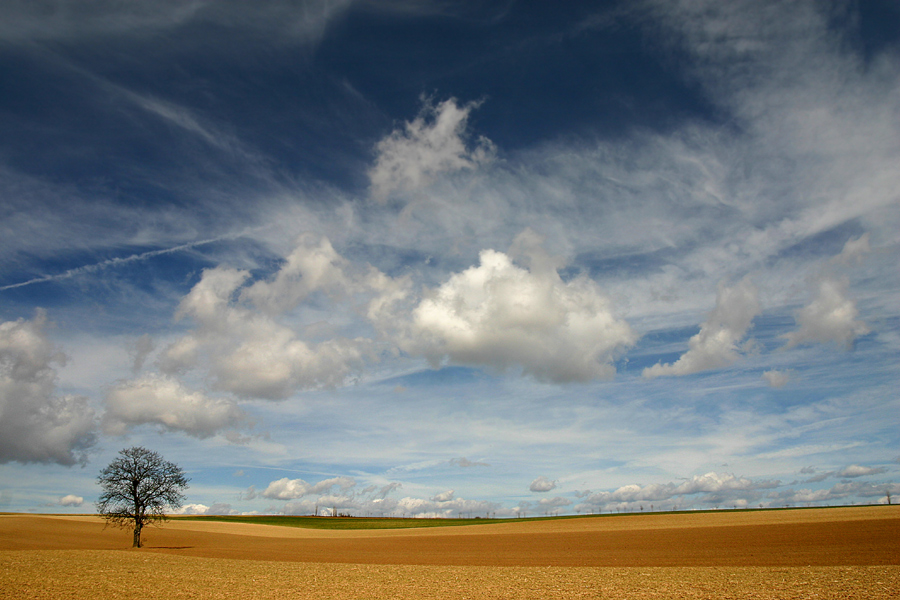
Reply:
x=811 y=553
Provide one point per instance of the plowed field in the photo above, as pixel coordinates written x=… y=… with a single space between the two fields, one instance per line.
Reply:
x=849 y=552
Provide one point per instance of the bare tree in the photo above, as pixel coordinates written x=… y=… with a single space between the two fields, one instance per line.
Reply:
x=138 y=486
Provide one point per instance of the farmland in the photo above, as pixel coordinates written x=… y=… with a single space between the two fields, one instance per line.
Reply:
x=821 y=553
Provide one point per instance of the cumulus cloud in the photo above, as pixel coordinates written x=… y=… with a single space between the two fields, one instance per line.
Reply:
x=286 y=489
x=36 y=424
x=311 y=266
x=776 y=379
x=452 y=507
x=719 y=488
x=218 y=508
x=71 y=500
x=854 y=471
x=241 y=336
x=716 y=482
x=548 y=504
x=163 y=401
x=435 y=142
x=830 y=317
x=341 y=495
x=501 y=315
x=291 y=489
x=542 y=484
x=496 y=314
x=716 y=345
x=837 y=492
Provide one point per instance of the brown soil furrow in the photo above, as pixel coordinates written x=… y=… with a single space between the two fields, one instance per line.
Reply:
x=59 y=574
x=597 y=542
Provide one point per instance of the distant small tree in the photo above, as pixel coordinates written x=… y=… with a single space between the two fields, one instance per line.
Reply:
x=138 y=487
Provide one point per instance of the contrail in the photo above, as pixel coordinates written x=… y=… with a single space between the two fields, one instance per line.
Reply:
x=115 y=262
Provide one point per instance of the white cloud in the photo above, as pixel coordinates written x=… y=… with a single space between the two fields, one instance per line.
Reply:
x=286 y=489
x=720 y=488
x=716 y=345
x=242 y=336
x=311 y=266
x=855 y=249
x=551 y=503
x=838 y=492
x=218 y=508
x=291 y=489
x=163 y=401
x=71 y=500
x=446 y=508
x=859 y=471
x=444 y=496
x=716 y=482
x=830 y=317
x=542 y=484
x=433 y=143
x=341 y=495
x=36 y=425
x=342 y=483
x=776 y=379
x=818 y=118
x=270 y=362
x=501 y=315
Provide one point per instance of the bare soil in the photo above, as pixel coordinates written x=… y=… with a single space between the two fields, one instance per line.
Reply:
x=851 y=552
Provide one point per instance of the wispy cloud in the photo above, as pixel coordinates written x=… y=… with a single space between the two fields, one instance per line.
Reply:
x=118 y=261
x=72 y=20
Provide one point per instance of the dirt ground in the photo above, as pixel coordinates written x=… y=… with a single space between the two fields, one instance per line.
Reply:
x=851 y=552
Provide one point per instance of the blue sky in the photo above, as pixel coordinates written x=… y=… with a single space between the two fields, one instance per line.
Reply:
x=452 y=258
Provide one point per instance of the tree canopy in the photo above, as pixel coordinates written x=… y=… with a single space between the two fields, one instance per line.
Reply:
x=138 y=487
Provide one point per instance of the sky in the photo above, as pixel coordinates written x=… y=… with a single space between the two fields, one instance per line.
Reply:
x=434 y=258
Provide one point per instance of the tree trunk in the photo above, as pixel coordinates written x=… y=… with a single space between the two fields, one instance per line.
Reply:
x=137 y=536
